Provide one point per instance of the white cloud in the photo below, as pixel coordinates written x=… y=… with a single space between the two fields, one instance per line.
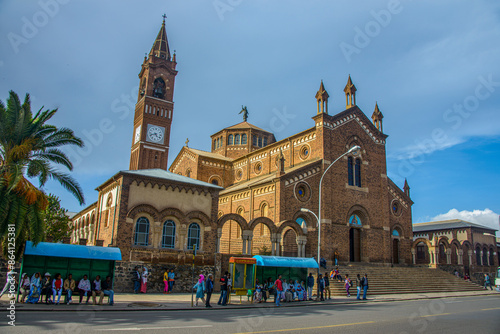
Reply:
x=484 y=217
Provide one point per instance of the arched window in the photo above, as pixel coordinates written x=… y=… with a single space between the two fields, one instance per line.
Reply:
x=168 y=237
x=265 y=141
x=350 y=171
x=357 y=172
x=485 y=257
x=221 y=141
x=254 y=140
x=237 y=140
x=215 y=144
x=193 y=236
x=478 y=256
x=230 y=140
x=355 y=220
x=395 y=233
x=260 y=142
x=141 y=235
x=492 y=257
x=243 y=139
x=188 y=173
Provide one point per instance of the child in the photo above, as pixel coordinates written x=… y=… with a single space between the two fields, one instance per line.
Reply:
x=347 y=284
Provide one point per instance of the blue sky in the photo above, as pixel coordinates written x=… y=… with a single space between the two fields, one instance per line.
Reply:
x=432 y=66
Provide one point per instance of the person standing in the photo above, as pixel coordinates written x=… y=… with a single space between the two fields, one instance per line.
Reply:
x=165 y=281
x=310 y=285
x=25 y=286
x=347 y=284
x=84 y=289
x=171 y=280
x=336 y=257
x=69 y=287
x=223 y=290
x=200 y=289
x=209 y=288
x=137 y=280
x=359 y=286
x=107 y=290
x=487 y=281
x=279 y=290
x=327 y=286
x=321 y=287
x=229 y=288
x=365 y=286
x=144 y=279
x=57 y=287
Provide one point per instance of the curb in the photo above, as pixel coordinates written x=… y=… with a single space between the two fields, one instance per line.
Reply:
x=266 y=305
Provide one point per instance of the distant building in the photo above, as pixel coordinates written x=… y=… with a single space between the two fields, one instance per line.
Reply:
x=456 y=244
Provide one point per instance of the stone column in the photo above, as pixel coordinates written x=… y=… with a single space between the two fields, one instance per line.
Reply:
x=470 y=257
x=244 y=248
x=249 y=245
x=460 y=257
x=413 y=255
x=278 y=245
x=273 y=246
x=301 y=244
x=219 y=236
x=488 y=262
x=448 y=256
x=432 y=257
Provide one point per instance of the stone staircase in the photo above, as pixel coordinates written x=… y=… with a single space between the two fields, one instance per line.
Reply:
x=401 y=280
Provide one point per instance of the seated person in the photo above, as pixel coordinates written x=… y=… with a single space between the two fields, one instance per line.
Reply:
x=97 y=289
x=257 y=297
x=57 y=287
x=84 y=288
x=69 y=287
x=25 y=286
x=107 y=289
x=46 y=288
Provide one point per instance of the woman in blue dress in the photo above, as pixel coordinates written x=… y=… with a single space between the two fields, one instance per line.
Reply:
x=35 y=289
x=200 y=290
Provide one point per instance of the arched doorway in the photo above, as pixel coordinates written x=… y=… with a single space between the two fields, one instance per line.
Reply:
x=290 y=244
x=442 y=253
x=354 y=245
x=422 y=256
x=395 y=246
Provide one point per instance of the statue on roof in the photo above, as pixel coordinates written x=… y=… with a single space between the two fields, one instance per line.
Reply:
x=244 y=111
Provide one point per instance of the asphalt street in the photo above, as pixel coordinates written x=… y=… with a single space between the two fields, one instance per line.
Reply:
x=479 y=314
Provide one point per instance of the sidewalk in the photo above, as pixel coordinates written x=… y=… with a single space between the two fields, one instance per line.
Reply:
x=182 y=301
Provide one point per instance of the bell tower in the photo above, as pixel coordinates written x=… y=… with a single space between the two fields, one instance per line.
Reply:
x=154 y=108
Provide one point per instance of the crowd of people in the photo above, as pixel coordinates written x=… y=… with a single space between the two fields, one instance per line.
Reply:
x=33 y=290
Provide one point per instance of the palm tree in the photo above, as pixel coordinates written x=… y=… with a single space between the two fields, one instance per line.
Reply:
x=30 y=148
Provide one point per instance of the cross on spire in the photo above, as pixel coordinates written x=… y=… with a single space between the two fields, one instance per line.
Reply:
x=164 y=17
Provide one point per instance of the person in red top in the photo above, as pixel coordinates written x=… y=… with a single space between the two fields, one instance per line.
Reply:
x=57 y=285
x=279 y=289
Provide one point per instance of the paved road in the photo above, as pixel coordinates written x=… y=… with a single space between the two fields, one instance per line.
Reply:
x=476 y=315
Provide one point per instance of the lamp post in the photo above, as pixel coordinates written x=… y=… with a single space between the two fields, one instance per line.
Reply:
x=352 y=150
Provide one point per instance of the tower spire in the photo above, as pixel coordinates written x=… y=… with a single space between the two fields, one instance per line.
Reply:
x=322 y=99
x=377 y=118
x=406 y=188
x=350 y=93
x=160 y=47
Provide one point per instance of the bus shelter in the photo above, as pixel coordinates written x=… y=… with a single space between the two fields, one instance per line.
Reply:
x=290 y=268
x=69 y=259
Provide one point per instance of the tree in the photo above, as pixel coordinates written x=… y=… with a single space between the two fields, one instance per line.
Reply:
x=29 y=148
x=56 y=220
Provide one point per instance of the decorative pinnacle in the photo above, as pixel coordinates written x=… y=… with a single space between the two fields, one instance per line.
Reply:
x=164 y=17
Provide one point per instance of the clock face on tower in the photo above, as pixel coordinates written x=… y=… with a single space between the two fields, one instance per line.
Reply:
x=137 y=134
x=155 y=134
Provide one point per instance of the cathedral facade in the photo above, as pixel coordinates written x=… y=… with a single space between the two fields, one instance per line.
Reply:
x=249 y=194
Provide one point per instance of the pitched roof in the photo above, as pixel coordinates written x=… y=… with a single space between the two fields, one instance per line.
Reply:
x=246 y=125
x=446 y=225
x=209 y=154
x=166 y=175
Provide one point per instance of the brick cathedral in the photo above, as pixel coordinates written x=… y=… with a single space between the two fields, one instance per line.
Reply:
x=245 y=196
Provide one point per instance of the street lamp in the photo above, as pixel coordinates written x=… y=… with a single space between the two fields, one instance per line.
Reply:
x=353 y=150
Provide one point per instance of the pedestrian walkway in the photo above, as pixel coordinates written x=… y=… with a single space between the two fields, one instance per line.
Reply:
x=182 y=301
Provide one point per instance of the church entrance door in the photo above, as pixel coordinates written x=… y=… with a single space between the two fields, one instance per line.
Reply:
x=395 y=251
x=354 y=245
